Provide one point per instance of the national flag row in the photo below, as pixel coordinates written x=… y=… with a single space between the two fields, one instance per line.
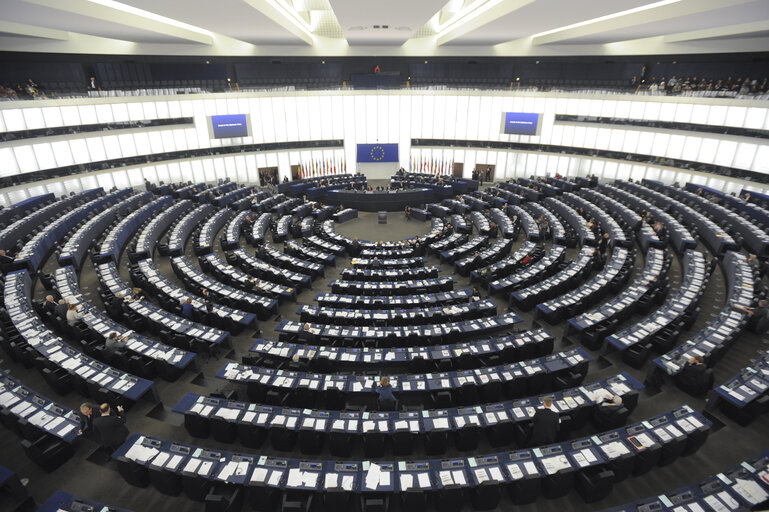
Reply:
x=315 y=168
x=432 y=166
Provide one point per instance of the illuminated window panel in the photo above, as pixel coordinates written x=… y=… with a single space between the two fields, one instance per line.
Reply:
x=135 y=111
x=602 y=138
x=639 y=172
x=88 y=182
x=473 y=116
x=142 y=143
x=162 y=109
x=660 y=145
x=725 y=153
x=743 y=157
x=44 y=156
x=33 y=118
x=608 y=108
x=8 y=164
x=567 y=135
x=168 y=141
x=209 y=172
x=683 y=113
x=708 y=150
x=320 y=118
x=120 y=112
x=675 y=146
x=485 y=122
x=616 y=140
x=175 y=172
x=591 y=137
x=87 y=114
x=717 y=115
x=121 y=179
x=96 y=149
x=62 y=153
x=683 y=178
x=174 y=109
x=579 y=136
x=279 y=119
x=112 y=147
x=52 y=117
x=220 y=168
x=761 y=163
x=653 y=173
x=150 y=112
x=463 y=103
x=127 y=145
x=70 y=115
x=14 y=120
x=622 y=109
x=188 y=173
x=630 y=142
x=754 y=118
x=334 y=117
x=392 y=130
x=105 y=180
x=439 y=117
x=667 y=175
x=667 y=112
x=735 y=116
x=572 y=107
x=104 y=114
x=293 y=129
x=637 y=109
x=624 y=171
x=610 y=170
x=691 y=149
x=156 y=144
x=162 y=171
x=180 y=140
x=595 y=107
x=700 y=114
x=80 y=151
x=241 y=171
x=652 y=111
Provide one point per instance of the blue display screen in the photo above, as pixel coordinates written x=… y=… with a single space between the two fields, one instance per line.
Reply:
x=233 y=125
x=521 y=123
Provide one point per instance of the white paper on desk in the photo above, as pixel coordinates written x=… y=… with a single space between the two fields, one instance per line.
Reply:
x=407 y=481
x=310 y=478
x=515 y=471
x=440 y=423
x=294 y=477
x=530 y=468
x=446 y=478
x=174 y=462
x=716 y=504
x=275 y=477
x=481 y=475
x=373 y=476
x=750 y=491
x=141 y=453
x=259 y=475
x=385 y=479
x=496 y=474
x=459 y=477
x=331 y=481
x=424 y=480
x=160 y=459
x=192 y=465
x=205 y=468
x=347 y=481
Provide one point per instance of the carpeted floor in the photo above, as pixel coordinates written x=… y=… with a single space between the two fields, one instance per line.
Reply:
x=92 y=475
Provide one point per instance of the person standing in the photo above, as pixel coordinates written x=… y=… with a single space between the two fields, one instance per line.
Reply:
x=545 y=423
x=110 y=428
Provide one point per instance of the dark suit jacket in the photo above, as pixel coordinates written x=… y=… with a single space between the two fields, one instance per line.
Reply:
x=544 y=427
x=111 y=429
x=61 y=311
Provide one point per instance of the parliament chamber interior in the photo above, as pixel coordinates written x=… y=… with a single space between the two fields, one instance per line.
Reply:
x=532 y=279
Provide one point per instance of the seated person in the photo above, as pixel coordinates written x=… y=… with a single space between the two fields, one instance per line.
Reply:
x=385 y=398
x=61 y=308
x=114 y=342
x=187 y=309
x=607 y=404
x=693 y=375
x=73 y=315
x=545 y=424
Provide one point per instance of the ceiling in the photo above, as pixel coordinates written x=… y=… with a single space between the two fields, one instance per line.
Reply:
x=384 y=27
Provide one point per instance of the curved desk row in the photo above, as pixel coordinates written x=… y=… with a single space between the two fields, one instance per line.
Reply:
x=391 y=201
x=550 y=470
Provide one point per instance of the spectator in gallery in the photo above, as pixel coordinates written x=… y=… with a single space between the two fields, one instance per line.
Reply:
x=92 y=84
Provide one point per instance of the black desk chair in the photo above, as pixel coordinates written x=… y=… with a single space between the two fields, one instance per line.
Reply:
x=525 y=490
x=224 y=498
x=296 y=502
x=594 y=483
x=403 y=442
x=374 y=444
x=414 y=500
x=197 y=426
x=340 y=444
x=486 y=496
x=466 y=438
x=251 y=436
x=310 y=441
x=133 y=473
x=336 y=499
x=436 y=442
x=165 y=481
x=558 y=484
x=262 y=497
x=449 y=499
x=282 y=439
x=223 y=431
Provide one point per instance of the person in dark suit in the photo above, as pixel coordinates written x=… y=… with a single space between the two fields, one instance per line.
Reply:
x=86 y=415
x=61 y=309
x=49 y=305
x=110 y=428
x=544 y=428
x=354 y=248
x=607 y=405
x=692 y=375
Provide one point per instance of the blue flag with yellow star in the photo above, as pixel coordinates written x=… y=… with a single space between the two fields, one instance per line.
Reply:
x=377 y=153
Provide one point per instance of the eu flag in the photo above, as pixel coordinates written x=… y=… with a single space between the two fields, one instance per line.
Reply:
x=377 y=153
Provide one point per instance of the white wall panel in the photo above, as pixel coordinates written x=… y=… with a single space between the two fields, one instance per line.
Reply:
x=62 y=153
x=44 y=156
x=33 y=118
x=14 y=120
